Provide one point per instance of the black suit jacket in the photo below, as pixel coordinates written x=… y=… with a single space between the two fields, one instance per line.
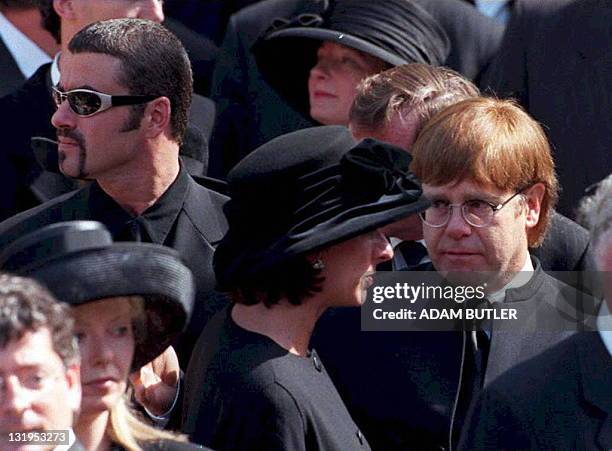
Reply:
x=251 y=112
x=561 y=400
x=566 y=246
x=198 y=227
x=556 y=60
x=27 y=113
x=10 y=75
x=401 y=387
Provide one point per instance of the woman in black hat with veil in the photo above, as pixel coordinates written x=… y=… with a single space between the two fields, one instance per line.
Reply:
x=129 y=301
x=304 y=234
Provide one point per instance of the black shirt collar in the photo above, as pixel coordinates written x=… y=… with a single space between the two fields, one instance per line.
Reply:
x=155 y=223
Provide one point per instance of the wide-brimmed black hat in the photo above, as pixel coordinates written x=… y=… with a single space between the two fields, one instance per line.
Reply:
x=79 y=263
x=394 y=31
x=307 y=190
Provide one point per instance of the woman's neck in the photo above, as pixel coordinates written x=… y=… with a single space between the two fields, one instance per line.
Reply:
x=290 y=326
x=91 y=431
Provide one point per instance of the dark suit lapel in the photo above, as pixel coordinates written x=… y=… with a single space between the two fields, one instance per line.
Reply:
x=596 y=371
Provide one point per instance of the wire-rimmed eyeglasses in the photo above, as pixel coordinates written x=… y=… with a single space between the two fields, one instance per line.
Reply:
x=476 y=212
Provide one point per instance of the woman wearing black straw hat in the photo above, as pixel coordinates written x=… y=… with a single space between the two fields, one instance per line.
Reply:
x=304 y=234
x=314 y=61
x=129 y=301
x=324 y=57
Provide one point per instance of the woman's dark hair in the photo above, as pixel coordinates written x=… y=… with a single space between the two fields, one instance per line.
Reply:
x=294 y=280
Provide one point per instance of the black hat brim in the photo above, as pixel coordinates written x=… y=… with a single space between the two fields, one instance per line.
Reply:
x=296 y=50
x=127 y=269
x=348 y=224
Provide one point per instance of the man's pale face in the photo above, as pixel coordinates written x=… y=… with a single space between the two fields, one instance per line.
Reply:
x=500 y=247
x=89 y=11
x=100 y=145
x=332 y=84
x=38 y=393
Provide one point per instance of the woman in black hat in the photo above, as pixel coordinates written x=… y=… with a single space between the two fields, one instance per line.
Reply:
x=324 y=57
x=304 y=235
x=129 y=301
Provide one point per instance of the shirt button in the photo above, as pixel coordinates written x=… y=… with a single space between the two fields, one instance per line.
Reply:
x=359 y=437
x=317 y=363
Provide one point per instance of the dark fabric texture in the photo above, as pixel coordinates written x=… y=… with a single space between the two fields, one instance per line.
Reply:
x=256 y=395
x=556 y=60
x=202 y=51
x=251 y=112
x=558 y=400
x=197 y=226
x=307 y=190
x=27 y=113
x=10 y=75
x=408 y=382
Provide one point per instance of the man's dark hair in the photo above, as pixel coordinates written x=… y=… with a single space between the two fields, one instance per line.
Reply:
x=295 y=280
x=154 y=62
x=19 y=4
x=50 y=19
x=25 y=306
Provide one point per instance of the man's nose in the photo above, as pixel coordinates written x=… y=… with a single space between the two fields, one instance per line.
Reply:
x=457 y=226
x=152 y=10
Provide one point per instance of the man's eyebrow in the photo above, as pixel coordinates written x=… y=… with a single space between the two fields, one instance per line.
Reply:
x=60 y=87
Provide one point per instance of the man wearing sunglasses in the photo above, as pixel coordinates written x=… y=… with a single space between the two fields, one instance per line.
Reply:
x=27 y=112
x=122 y=107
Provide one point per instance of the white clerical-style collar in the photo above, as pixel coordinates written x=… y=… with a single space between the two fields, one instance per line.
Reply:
x=71 y=440
x=520 y=279
x=55 y=72
x=604 y=326
x=28 y=56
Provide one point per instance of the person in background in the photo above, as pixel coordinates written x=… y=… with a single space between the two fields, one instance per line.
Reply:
x=129 y=301
x=24 y=44
x=251 y=111
x=527 y=68
x=40 y=386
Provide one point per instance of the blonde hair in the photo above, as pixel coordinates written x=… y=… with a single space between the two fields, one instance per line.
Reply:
x=128 y=430
x=488 y=141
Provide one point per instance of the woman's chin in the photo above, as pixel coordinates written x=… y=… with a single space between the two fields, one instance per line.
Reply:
x=94 y=404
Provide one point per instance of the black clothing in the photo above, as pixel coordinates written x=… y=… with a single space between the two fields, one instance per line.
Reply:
x=561 y=400
x=566 y=246
x=187 y=217
x=26 y=113
x=202 y=51
x=250 y=112
x=257 y=395
x=555 y=59
x=11 y=76
x=408 y=382
x=164 y=445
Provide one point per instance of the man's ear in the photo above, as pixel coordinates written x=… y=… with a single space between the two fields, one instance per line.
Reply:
x=533 y=199
x=157 y=117
x=65 y=9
